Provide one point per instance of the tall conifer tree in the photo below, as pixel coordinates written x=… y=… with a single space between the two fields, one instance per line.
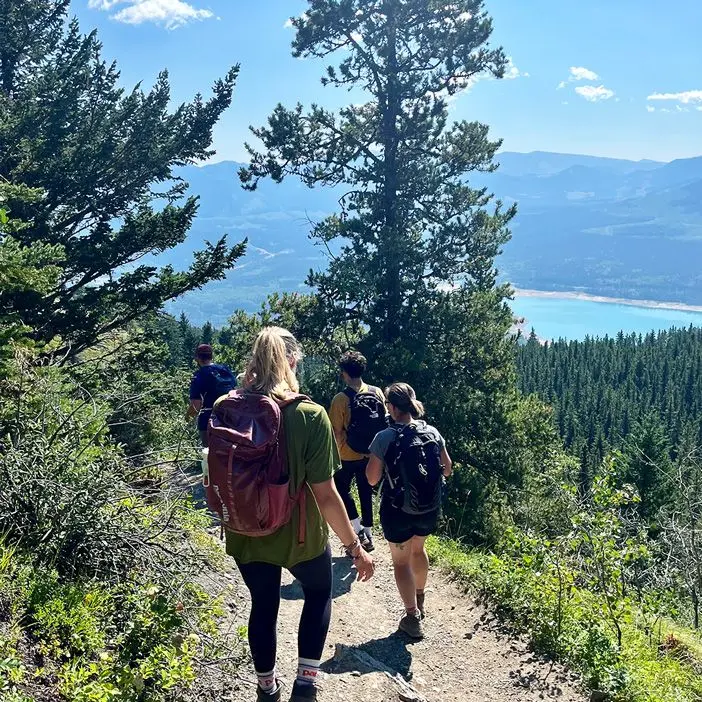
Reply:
x=103 y=158
x=414 y=246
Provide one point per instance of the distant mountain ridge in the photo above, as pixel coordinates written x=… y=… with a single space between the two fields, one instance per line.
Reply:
x=543 y=163
x=605 y=226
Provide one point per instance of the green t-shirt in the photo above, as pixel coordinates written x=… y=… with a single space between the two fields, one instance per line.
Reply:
x=312 y=458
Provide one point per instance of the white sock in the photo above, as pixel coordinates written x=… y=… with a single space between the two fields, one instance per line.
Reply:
x=266 y=681
x=356 y=524
x=369 y=532
x=307 y=671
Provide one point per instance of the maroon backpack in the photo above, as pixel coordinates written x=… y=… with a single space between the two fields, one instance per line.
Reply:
x=249 y=482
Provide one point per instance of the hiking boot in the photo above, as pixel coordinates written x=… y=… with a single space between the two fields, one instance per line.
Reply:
x=304 y=693
x=363 y=540
x=411 y=624
x=420 y=605
x=368 y=545
x=274 y=696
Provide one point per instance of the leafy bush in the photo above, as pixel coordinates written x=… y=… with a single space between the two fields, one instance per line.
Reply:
x=131 y=371
x=99 y=642
x=68 y=496
x=97 y=565
x=588 y=596
x=68 y=619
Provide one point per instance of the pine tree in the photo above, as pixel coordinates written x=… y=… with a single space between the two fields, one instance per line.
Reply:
x=207 y=334
x=188 y=339
x=415 y=274
x=25 y=272
x=100 y=155
x=648 y=466
x=414 y=227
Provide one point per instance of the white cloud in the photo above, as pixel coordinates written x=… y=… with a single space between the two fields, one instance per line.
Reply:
x=650 y=108
x=686 y=98
x=512 y=72
x=594 y=94
x=699 y=108
x=168 y=13
x=580 y=73
x=271 y=254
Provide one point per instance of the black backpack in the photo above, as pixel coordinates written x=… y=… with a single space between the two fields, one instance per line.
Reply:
x=367 y=418
x=221 y=382
x=414 y=472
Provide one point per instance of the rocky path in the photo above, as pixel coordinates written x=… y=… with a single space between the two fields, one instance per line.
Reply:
x=466 y=656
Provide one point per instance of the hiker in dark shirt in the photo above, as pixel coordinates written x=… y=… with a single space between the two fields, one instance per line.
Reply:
x=211 y=381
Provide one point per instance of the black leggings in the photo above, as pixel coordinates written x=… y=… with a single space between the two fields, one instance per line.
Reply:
x=263 y=581
x=343 y=479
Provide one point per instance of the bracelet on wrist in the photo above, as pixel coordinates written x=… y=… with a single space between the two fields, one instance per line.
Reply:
x=351 y=548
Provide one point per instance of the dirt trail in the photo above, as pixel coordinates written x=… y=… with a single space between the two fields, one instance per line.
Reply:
x=466 y=656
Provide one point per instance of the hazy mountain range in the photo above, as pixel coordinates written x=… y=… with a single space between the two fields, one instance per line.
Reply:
x=604 y=226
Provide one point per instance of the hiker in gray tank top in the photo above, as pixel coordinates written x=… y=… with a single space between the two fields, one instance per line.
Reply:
x=411 y=459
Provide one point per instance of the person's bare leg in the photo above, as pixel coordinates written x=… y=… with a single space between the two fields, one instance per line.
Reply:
x=401 y=561
x=419 y=560
x=411 y=623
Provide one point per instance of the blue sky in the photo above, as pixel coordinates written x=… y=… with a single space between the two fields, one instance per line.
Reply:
x=619 y=78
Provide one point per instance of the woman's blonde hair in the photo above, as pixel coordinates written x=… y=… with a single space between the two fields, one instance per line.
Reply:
x=269 y=370
x=403 y=397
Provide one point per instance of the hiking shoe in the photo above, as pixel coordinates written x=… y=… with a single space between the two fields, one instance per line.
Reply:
x=411 y=624
x=274 y=696
x=368 y=545
x=304 y=693
x=363 y=539
x=420 y=605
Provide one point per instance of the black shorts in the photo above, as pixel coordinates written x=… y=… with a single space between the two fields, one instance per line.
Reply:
x=399 y=527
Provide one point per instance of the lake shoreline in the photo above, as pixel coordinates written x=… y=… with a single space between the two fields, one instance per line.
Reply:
x=574 y=295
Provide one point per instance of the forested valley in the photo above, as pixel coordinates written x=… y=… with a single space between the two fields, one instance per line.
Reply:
x=638 y=394
x=576 y=502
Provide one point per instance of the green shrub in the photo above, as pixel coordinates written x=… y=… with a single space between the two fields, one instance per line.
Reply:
x=97 y=565
x=68 y=619
x=101 y=642
x=12 y=669
x=564 y=618
x=70 y=498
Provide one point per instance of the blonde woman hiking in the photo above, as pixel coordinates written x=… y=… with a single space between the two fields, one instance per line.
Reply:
x=412 y=458
x=287 y=527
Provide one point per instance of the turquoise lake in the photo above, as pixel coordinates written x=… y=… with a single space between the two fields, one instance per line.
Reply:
x=567 y=318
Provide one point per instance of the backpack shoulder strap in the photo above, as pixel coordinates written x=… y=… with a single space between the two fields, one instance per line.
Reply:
x=291 y=399
x=406 y=429
x=301 y=496
x=350 y=393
